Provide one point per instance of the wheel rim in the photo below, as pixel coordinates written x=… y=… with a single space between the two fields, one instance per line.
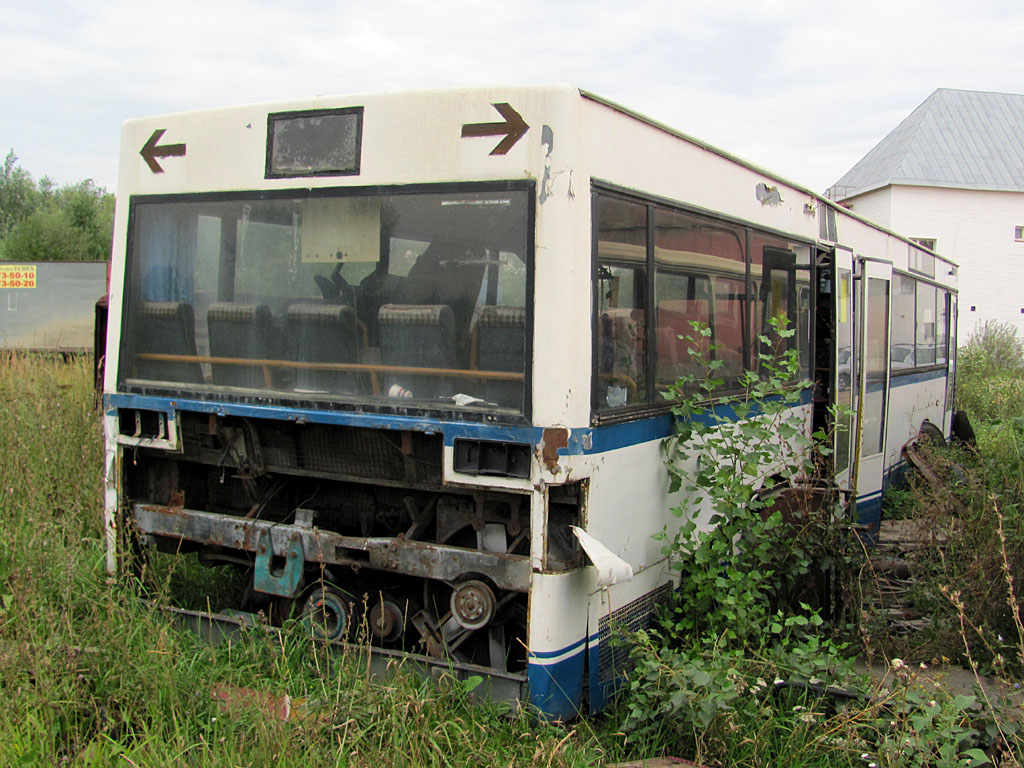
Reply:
x=326 y=614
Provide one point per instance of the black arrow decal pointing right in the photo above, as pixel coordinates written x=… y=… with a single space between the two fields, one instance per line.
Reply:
x=512 y=129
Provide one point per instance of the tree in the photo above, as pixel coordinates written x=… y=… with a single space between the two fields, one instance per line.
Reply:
x=18 y=195
x=47 y=235
x=45 y=223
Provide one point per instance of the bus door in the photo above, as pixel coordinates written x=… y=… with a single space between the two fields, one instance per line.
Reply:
x=842 y=365
x=871 y=387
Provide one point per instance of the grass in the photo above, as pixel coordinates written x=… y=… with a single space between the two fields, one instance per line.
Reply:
x=92 y=676
x=979 y=508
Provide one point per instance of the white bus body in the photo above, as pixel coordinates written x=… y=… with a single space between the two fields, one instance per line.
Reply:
x=420 y=427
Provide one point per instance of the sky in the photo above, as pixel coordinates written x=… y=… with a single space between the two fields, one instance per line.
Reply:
x=803 y=89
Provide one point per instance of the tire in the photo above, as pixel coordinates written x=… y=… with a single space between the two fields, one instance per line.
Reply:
x=327 y=613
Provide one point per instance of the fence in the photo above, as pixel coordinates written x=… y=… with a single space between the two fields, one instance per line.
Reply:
x=50 y=305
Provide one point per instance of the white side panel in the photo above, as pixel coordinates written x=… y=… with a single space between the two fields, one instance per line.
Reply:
x=629 y=503
x=557 y=619
x=909 y=405
x=640 y=156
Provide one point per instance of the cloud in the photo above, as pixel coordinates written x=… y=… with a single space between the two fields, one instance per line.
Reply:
x=803 y=89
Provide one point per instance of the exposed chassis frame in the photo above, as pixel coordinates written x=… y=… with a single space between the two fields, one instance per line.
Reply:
x=387 y=554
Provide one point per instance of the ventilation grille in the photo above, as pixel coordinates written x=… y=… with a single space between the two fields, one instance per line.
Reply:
x=613 y=654
x=352 y=452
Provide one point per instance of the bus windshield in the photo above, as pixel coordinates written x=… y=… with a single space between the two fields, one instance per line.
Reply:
x=395 y=298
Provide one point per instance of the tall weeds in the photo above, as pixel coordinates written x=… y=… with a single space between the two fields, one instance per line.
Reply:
x=990 y=373
x=746 y=678
x=91 y=675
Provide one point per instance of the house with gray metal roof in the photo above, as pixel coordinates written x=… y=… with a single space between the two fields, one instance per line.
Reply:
x=951 y=176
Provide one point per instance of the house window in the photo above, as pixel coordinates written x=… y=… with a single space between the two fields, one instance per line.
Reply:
x=927 y=242
x=921 y=262
x=1018 y=234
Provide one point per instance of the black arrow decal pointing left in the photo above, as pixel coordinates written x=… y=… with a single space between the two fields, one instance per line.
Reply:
x=151 y=151
x=512 y=129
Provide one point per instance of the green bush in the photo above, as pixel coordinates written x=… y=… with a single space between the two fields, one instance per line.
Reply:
x=739 y=618
x=991 y=398
x=734 y=552
x=737 y=674
x=993 y=348
x=41 y=222
x=990 y=373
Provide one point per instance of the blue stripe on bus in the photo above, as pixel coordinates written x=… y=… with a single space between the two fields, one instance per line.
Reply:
x=611 y=437
x=614 y=436
x=560 y=652
x=556 y=690
x=451 y=429
x=582 y=441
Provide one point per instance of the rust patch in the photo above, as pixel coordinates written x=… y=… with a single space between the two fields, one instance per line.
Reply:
x=552 y=439
x=234 y=699
x=176 y=512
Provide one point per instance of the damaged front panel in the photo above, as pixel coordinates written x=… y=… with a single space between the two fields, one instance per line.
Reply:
x=351 y=526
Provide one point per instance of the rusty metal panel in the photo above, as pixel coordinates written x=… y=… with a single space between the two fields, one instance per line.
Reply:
x=288 y=582
x=436 y=561
x=395 y=555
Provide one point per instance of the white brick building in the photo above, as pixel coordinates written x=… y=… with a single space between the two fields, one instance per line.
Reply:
x=951 y=175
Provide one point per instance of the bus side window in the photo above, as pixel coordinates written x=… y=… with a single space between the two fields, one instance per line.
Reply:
x=620 y=303
x=778 y=295
x=700 y=277
x=925 y=330
x=729 y=311
x=902 y=348
x=682 y=302
x=621 y=329
x=783 y=278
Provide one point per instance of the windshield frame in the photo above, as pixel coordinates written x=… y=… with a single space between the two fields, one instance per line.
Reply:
x=277 y=398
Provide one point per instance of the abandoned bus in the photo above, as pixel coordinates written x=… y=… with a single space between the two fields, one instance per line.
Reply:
x=399 y=359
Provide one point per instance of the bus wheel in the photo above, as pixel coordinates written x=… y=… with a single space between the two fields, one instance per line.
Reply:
x=327 y=613
x=963 y=432
x=472 y=604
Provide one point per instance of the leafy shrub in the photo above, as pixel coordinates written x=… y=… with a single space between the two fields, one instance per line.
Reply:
x=990 y=373
x=718 y=677
x=733 y=550
x=991 y=398
x=739 y=618
x=992 y=349
x=41 y=222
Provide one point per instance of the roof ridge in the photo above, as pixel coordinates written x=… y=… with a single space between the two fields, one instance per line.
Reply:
x=954 y=138
x=971 y=90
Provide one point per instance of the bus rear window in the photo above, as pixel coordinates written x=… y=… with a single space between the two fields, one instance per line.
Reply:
x=386 y=298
